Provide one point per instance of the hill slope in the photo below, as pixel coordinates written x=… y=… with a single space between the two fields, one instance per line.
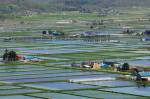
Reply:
x=8 y=6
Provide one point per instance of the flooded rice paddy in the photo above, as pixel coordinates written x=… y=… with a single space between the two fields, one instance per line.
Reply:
x=41 y=85
x=103 y=94
x=50 y=79
x=131 y=90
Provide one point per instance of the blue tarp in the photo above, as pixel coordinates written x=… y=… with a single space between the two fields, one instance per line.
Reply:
x=30 y=57
x=104 y=65
x=146 y=73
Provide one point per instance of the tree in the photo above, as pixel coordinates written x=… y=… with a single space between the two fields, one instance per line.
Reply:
x=125 y=67
x=44 y=32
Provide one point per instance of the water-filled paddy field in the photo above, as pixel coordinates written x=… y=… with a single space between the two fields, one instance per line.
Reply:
x=53 y=84
x=50 y=79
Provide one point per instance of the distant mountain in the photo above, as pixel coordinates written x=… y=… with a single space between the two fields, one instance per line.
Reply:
x=12 y=6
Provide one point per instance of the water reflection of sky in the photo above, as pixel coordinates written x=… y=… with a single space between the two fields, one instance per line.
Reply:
x=131 y=90
x=140 y=62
